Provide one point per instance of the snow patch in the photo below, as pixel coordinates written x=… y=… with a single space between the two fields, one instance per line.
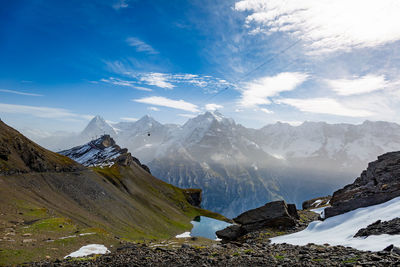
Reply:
x=340 y=229
x=183 y=235
x=89 y=250
x=317 y=203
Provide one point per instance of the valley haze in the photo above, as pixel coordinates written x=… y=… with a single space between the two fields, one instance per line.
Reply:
x=240 y=168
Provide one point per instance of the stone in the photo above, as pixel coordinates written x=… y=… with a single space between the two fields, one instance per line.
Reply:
x=379 y=183
x=391 y=227
x=273 y=214
x=231 y=233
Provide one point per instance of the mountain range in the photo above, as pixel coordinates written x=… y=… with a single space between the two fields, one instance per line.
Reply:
x=240 y=168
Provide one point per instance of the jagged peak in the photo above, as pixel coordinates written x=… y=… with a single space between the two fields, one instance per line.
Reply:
x=102 y=152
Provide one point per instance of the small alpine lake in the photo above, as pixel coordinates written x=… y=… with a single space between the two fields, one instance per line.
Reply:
x=206 y=227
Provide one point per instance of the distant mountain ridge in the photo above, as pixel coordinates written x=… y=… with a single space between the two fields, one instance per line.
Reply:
x=240 y=168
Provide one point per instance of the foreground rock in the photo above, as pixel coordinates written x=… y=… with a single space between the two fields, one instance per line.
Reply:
x=261 y=254
x=391 y=227
x=276 y=214
x=378 y=184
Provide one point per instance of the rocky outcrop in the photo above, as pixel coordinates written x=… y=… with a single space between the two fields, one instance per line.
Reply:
x=193 y=196
x=276 y=214
x=316 y=202
x=391 y=227
x=378 y=184
x=102 y=152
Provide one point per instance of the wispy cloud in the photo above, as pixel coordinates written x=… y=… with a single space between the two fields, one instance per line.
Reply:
x=120 y=4
x=259 y=91
x=120 y=82
x=18 y=92
x=166 y=102
x=209 y=84
x=128 y=119
x=325 y=106
x=358 y=85
x=161 y=80
x=42 y=112
x=213 y=107
x=265 y=110
x=141 y=46
x=326 y=26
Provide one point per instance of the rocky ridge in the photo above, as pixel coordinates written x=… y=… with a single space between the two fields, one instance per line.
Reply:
x=102 y=152
x=379 y=183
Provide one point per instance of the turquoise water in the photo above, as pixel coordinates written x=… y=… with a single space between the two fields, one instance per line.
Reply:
x=206 y=227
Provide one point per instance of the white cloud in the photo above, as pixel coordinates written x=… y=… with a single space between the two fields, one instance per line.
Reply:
x=120 y=4
x=42 y=112
x=213 y=107
x=326 y=25
x=325 y=106
x=141 y=46
x=157 y=79
x=18 y=92
x=120 y=82
x=128 y=119
x=257 y=92
x=358 y=85
x=153 y=108
x=266 y=110
x=208 y=83
x=166 y=102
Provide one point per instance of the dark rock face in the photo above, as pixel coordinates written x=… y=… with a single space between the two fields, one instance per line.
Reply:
x=378 y=184
x=193 y=196
x=316 y=202
x=276 y=214
x=391 y=227
x=272 y=214
x=292 y=210
x=231 y=233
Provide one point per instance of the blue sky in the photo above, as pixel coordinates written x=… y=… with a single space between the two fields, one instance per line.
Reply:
x=257 y=61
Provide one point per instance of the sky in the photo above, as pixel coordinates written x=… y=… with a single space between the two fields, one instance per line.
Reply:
x=256 y=61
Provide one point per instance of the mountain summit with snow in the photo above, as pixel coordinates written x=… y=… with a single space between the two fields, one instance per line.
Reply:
x=102 y=152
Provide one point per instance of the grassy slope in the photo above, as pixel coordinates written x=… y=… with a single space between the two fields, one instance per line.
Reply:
x=39 y=209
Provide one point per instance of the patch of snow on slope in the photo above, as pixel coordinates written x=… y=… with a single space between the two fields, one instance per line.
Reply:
x=340 y=229
x=317 y=203
x=89 y=250
x=183 y=235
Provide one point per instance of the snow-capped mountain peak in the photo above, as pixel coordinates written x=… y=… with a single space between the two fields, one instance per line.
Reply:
x=97 y=127
x=100 y=152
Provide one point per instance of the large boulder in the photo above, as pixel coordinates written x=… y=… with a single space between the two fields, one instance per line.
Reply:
x=276 y=214
x=378 y=184
x=273 y=214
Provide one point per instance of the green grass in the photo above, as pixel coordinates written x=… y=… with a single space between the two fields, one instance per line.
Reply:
x=351 y=260
x=279 y=257
x=53 y=225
